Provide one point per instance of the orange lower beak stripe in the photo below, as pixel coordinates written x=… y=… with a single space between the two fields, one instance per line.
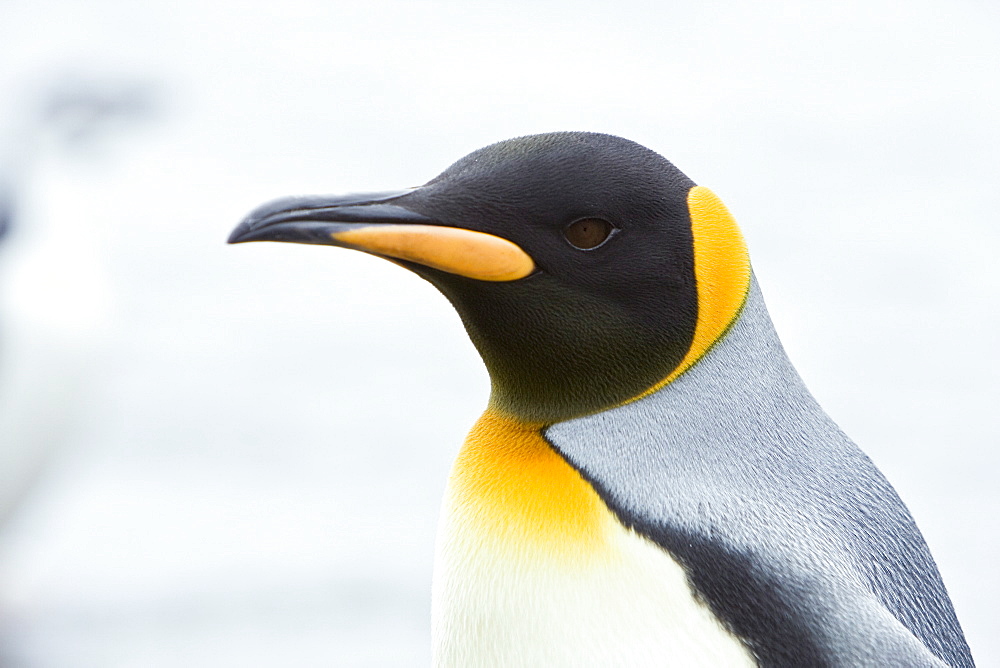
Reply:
x=477 y=255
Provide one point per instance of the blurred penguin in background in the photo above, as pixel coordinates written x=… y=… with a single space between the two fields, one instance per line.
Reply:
x=55 y=296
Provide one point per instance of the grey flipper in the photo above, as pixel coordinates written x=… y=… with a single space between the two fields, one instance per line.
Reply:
x=786 y=529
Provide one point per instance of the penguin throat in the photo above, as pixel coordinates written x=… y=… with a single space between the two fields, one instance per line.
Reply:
x=514 y=491
x=554 y=353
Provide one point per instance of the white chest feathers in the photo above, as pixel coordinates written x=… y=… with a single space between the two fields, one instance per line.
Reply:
x=534 y=570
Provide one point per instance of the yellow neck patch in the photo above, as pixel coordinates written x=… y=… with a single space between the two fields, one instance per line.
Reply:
x=722 y=274
x=511 y=489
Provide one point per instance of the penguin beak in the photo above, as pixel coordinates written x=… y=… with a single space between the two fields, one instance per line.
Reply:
x=379 y=224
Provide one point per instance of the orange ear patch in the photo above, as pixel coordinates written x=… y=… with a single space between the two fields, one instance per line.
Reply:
x=722 y=273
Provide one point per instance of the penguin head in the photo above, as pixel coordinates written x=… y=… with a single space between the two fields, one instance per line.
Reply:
x=577 y=262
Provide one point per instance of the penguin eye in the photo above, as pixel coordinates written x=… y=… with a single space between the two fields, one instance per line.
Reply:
x=588 y=233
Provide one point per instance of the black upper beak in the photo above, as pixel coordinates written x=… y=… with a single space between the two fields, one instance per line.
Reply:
x=312 y=219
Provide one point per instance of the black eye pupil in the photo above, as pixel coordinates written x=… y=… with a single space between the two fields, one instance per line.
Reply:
x=588 y=233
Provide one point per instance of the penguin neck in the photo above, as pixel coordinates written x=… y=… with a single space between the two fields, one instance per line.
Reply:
x=746 y=359
x=512 y=487
x=725 y=413
x=746 y=366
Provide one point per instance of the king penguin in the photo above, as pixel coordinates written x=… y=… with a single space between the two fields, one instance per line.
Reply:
x=651 y=483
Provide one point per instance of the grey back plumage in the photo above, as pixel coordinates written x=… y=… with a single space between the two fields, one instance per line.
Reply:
x=786 y=529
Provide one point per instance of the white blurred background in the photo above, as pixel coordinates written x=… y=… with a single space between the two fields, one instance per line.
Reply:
x=233 y=456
